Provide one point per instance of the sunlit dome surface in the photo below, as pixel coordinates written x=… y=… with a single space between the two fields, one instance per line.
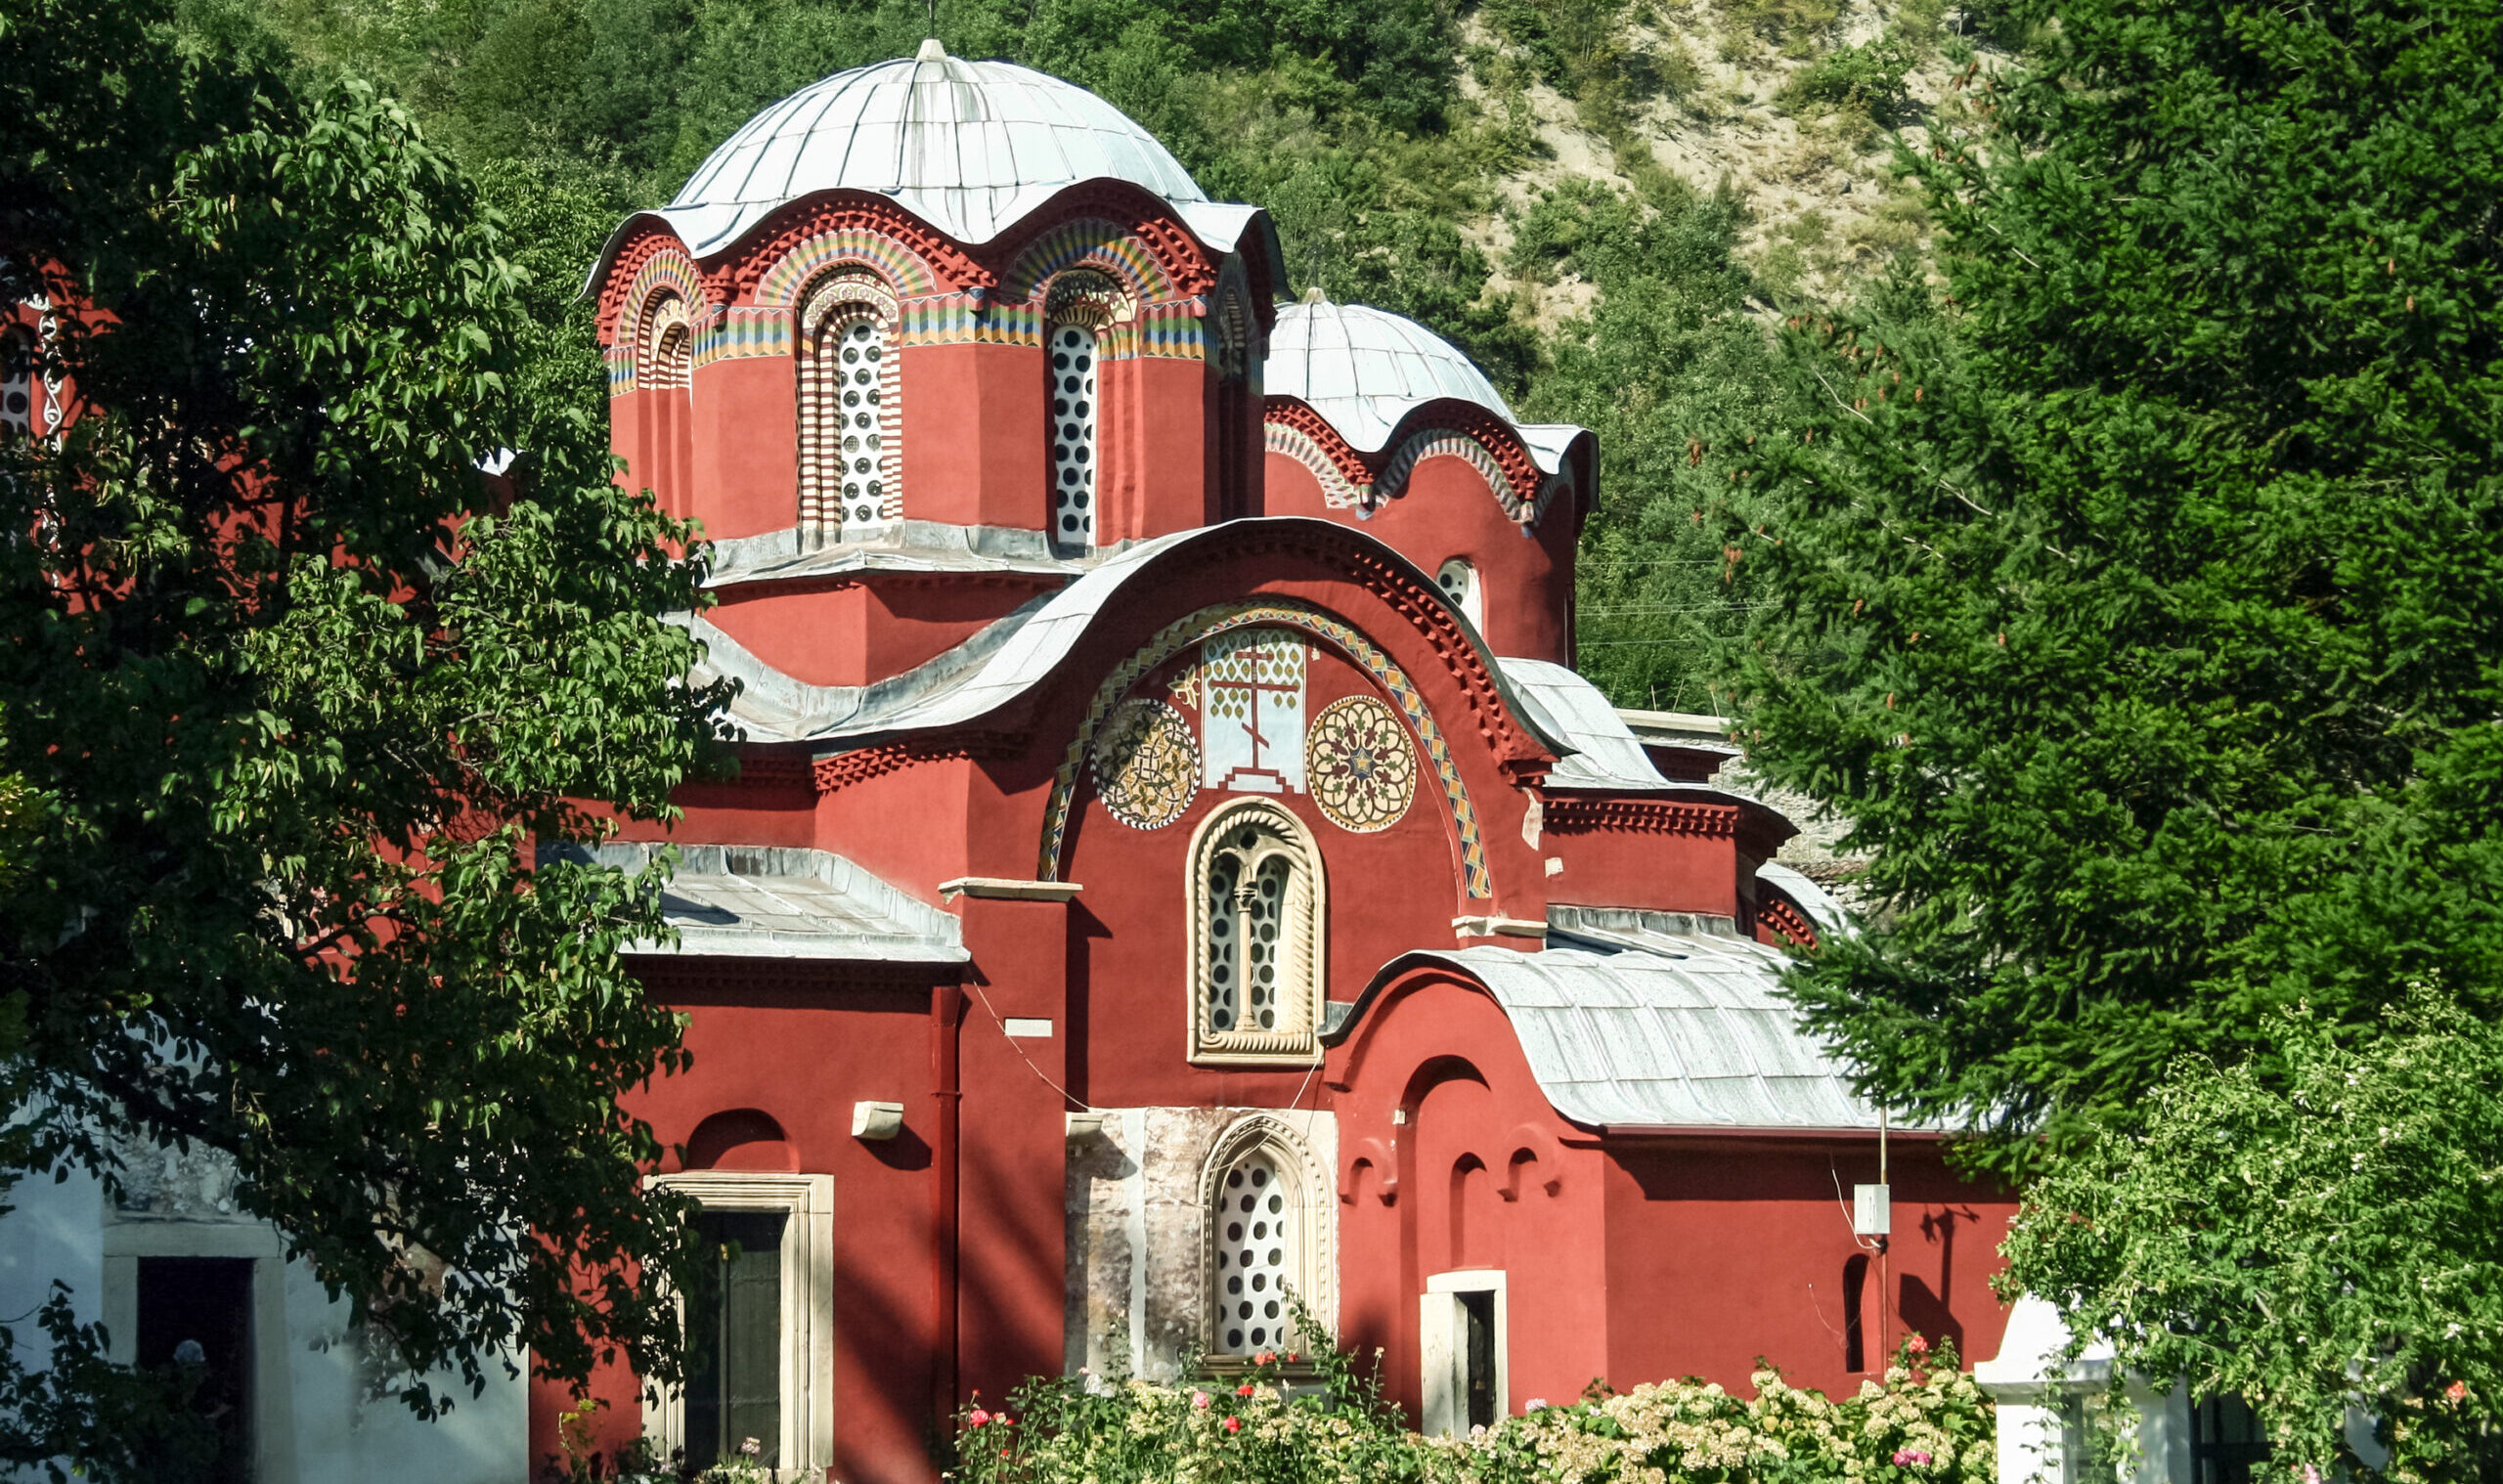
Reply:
x=1365 y=369
x=968 y=147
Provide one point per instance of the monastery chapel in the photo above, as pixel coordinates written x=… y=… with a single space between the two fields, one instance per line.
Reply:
x=1177 y=882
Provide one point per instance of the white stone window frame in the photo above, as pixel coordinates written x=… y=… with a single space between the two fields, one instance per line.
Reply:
x=835 y=300
x=128 y=1239
x=1303 y=947
x=1089 y=300
x=665 y=350
x=808 y=1310
x=1443 y=1350
x=1312 y=1269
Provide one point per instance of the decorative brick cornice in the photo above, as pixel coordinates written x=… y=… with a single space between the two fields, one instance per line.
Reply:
x=1646 y=816
x=863 y=763
x=1463 y=427
x=1293 y=413
x=667 y=977
x=1778 y=922
x=646 y=241
x=1143 y=214
x=736 y=270
x=1495 y=436
x=774 y=768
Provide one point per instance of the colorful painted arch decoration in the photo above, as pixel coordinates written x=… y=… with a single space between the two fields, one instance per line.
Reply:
x=1478 y=880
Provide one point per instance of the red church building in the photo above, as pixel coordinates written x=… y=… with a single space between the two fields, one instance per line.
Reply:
x=1174 y=865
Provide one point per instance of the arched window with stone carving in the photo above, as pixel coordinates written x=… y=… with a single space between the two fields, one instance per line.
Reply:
x=1258 y=908
x=1079 y=314
x=1268 y=1213
x=850 y=414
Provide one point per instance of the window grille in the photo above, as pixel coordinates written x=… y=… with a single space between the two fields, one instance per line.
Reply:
x=1072 y=354
x=1257 y=944
x=1459 y=581
x=850 y=451
x=1258 y=1250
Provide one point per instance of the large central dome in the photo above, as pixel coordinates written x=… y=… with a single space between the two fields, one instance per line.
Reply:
x=969 y=146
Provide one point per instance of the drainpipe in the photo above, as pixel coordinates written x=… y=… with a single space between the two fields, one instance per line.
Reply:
x=947 y=1007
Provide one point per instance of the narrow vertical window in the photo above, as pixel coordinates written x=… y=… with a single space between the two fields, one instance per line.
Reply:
x=1459 y=581
x=849 y=448
x=734 y=1394
x=1072 y=354
x=1258 y=1256
x=17 y=381
x=1256 y=908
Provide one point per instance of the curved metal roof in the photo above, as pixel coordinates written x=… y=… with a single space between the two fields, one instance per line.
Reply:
x=1365 y=369
x=968 y=147
x=1688 y=1033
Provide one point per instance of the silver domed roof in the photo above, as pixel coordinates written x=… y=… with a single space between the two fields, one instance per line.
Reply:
x=968 y=147
x=1365 y=369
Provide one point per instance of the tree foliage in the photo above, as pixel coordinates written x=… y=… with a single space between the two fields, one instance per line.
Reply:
x=2141 y=598
x=1665 y=360
x=2329 y=1235
x=297 y=696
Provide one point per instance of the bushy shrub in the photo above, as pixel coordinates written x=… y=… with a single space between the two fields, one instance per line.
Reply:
x=1924 y=1422
x=1868 y=77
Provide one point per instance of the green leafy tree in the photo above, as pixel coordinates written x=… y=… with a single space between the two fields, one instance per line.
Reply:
x=303 y=699
x=2326 y=1237
x=2141 y=598
x=1666 y=361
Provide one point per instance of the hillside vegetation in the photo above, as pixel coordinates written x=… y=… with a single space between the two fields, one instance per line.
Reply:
x=1600 y=200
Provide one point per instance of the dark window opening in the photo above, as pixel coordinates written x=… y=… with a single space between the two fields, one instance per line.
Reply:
x=734 y=1388
x=196 y=1331
x=1855 y=1290
x=1477 y=1315
x=2226 y=1445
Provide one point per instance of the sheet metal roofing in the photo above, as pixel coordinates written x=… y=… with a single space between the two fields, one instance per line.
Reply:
x=1365 y=369
x=1605 y=754
x=1684 y=1033
x=754 y=902
x=968 y=147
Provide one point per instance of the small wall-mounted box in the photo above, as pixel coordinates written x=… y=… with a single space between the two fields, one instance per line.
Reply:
x=877 y=1121
x=1872 y=1211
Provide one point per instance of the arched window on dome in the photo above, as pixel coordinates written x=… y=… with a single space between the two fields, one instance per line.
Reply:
x=1078 y=312
x=1458 y=577
x=664 y=454
x=1259 y=914
x=1268 y=1210
x=849 y=416
x=665 y=357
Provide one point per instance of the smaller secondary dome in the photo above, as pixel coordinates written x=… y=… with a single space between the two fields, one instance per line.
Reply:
x=968 y=147
x=1365 y=369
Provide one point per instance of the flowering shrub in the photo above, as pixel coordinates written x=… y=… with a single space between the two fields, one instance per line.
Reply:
x=1924 y=1422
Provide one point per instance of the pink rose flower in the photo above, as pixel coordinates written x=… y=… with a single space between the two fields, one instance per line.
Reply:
x=1916 y=1345
x=1233 y=1424
x=2457 y=1391
x=1199 y=1401
x=979 y=1417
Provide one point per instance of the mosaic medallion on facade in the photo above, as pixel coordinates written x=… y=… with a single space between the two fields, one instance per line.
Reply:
x=1360 y=764
x=1252 y=711
x=1147 y=767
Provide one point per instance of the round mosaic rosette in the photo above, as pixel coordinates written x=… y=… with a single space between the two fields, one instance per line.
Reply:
x=1360 y=765
x=1147 y=766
